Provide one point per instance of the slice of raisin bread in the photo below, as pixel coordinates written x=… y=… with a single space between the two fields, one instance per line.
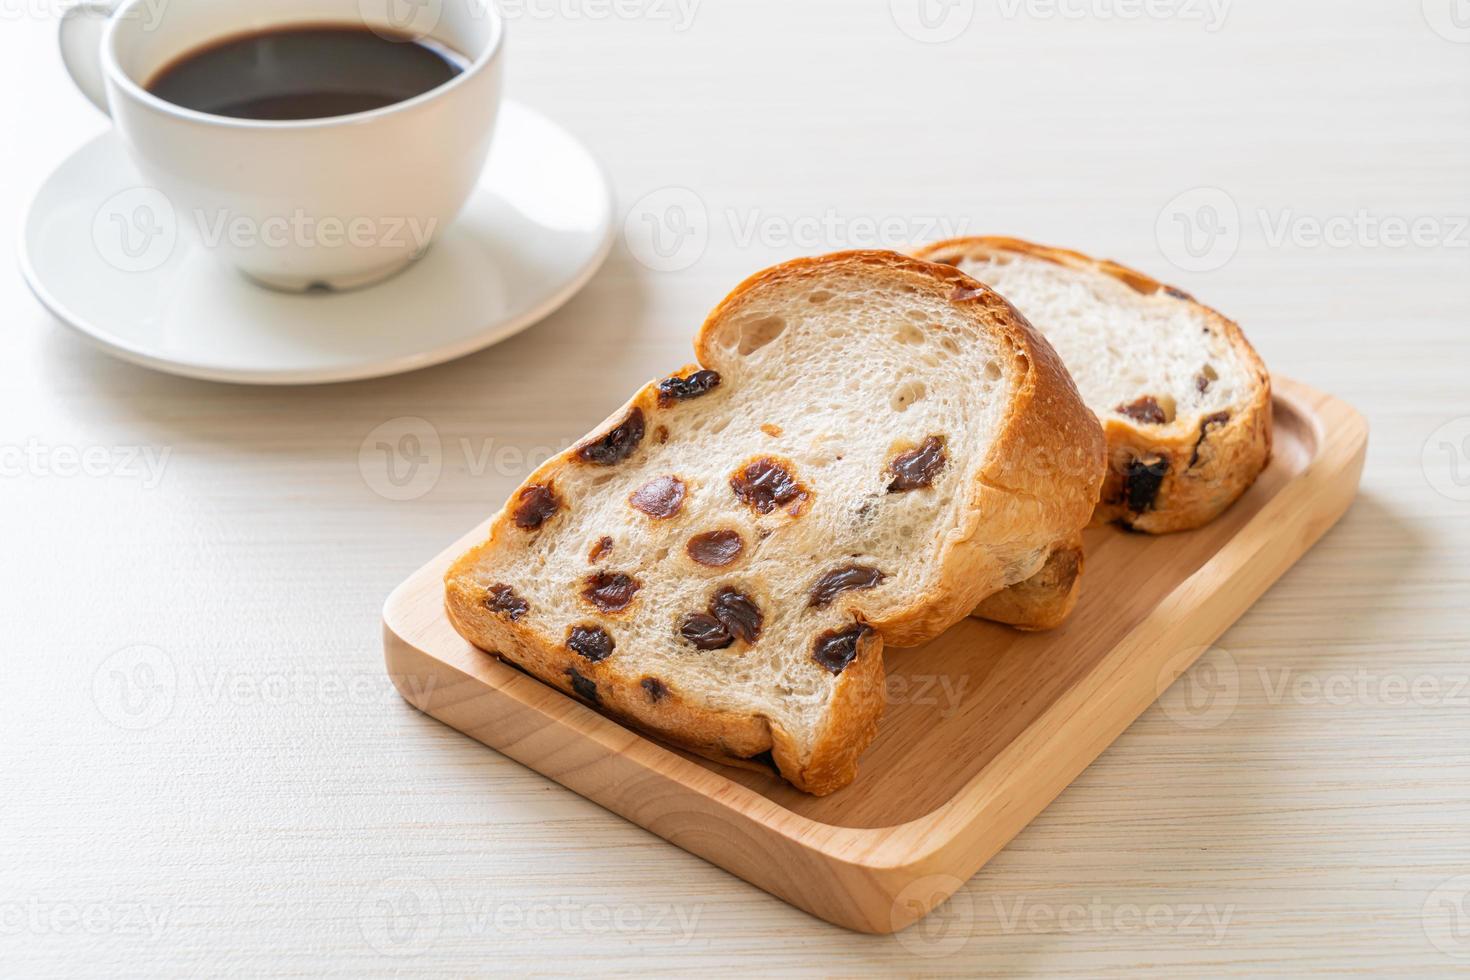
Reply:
x=868 y=446
x=1183 y=397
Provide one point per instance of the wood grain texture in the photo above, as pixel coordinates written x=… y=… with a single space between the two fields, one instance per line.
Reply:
x=268 y=828
x=984 y=725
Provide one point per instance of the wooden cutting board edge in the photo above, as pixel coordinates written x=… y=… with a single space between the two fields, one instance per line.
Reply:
x=884 y=879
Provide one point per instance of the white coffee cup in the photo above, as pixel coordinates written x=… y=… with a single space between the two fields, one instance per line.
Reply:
x=333 y=203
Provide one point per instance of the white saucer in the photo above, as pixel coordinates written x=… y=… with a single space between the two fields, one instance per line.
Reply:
x=537 y=228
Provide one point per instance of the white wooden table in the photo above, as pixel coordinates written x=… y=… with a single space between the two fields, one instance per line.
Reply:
x=204 y=770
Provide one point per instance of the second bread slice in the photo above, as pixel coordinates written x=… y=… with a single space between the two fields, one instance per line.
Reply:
x=1183 y=397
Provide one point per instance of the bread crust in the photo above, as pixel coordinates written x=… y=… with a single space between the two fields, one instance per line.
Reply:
x=1037 y=484
x=1201 y=466
x=1046 y=599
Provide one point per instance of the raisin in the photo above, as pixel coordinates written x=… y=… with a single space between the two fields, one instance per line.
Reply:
x=706 y=632
x=659 y=497
x=502 y=599
x=738 y=612
x=1146 y=410
x=1201 y=383
x=917 y=468
x=611 y=591
x=715 y=549
x=835 y=649
x=617 y=445
x=1219 y=418
x=657 y=689
x=584 y=687
x=600 y=549
x=678 y=389
x=591 y=642
x=1141 y=482
x=765 y=484
x=841 y=580
x=731 y=615
x=537 y=503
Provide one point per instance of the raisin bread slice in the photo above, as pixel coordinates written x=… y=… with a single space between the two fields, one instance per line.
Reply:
x=868 y=446
x=1183 y=397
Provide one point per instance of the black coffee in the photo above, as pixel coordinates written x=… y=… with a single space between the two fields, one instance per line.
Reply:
x=305 y=73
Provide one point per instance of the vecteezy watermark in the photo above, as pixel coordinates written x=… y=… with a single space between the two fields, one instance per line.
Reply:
x=406 y=915
x=1211 y=14
x=952 y=923
x=940 y=692
x=1446 y=917
x=39 y=917
x=827 y=230
x=1203 y=695
x=39 y=460
x=1285 y=685
x=1206 y=695
x=1206 y=921
x=403 y=458
x=943 y=916
x=938 y=21
x=138 y=229
x=302 y=230
x=213 y=687
x=401 y=916
x=1201 y=229
x=139 y=687
x=1450 y=19
x=396 y=20
x=44 y=10
x=679 y=14
x=135 y=688
x=932 y=21
x=150 y=12
x=1446 y=459
x=669 y=229
x=1363 y=229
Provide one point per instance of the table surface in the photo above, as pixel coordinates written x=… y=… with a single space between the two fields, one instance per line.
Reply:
x=206 y=771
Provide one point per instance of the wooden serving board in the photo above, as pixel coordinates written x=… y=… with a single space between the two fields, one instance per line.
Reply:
x=984 y=726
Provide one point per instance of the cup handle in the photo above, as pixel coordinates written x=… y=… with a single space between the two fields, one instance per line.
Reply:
x=80 y=35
